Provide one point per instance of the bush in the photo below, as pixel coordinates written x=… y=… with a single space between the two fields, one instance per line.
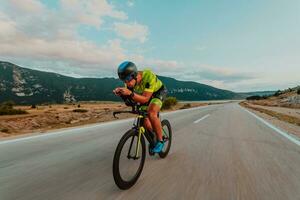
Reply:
x=185 y=106
x=298 y=91
x=33 y=106
x=169 y=102
x=255 y=97
x=4 y=130
x=277 y=93
x=80 y=110
x=6 y=108
x=7 y=104
x=5 y=111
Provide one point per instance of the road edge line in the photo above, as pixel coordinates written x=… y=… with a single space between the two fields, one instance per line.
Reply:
x=287 y=135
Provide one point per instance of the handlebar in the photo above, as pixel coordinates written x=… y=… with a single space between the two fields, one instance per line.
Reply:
x=134 y=110
x=135 y=107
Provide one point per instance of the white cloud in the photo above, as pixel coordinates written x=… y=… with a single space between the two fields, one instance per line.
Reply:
x=52 y=38
x=132 y=31
x=7 y=27
x=75 y=51
x=130 y=3
x=27 y=6
x=91 y=12
x=35 y=35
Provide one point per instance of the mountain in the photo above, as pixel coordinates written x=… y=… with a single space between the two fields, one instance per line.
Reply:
x=27 y=86
x=257 y=93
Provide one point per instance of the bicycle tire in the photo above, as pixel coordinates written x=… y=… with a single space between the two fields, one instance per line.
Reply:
x=120 y=182
x=165 y=122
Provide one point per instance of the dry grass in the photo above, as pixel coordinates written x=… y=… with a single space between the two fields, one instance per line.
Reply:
x=278 y=101
x=280 y=116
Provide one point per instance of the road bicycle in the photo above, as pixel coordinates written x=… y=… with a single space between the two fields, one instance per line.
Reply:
x=130 y=154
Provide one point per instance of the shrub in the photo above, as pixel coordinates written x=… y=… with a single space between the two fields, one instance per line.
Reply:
x=6 y=108
x=169 y=102
x=78 y=106
x=277 y=93
x=5 y=111
x=255 y=97
x=33 y=106
x=7 y=104
x=80 y=110
x=4 y=130
x=185 y=106
x=298 y=91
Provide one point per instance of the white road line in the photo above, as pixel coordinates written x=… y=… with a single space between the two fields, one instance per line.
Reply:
x=202 y=118
x=286 y=135
x=89 y=126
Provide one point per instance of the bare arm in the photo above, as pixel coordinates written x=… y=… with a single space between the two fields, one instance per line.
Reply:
x=144 y=98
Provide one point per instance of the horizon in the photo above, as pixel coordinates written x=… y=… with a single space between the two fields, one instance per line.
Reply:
x=241 y=47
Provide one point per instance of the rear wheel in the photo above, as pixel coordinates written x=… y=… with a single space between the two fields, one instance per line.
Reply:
x=126 y=167
x=167 y=138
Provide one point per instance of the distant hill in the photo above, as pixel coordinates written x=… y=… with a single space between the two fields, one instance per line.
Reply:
x=257 y=93
x=289 y=98
x=26 y=86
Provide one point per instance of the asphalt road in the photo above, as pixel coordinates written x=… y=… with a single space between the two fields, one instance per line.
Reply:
x=219 y=152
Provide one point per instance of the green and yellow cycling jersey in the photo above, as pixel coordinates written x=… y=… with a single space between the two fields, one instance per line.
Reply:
x=149 y=83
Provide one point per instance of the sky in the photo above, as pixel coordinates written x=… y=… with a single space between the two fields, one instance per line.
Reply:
x=239 y=45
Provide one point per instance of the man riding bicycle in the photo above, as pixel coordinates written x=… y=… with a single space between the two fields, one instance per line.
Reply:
x=146 y=89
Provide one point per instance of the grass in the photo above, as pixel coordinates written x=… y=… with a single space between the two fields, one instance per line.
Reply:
x=186 y=106
x=280 y=116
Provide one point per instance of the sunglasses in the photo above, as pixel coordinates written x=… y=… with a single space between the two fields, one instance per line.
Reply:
x=128 y=78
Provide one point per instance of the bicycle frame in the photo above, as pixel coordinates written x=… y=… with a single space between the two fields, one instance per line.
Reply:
x=138 y=126
x=141 y=131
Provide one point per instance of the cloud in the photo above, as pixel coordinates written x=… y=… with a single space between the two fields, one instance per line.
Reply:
x=91 y=12
x=52 y=42
x=52 y=38
x=7 y=27
x=224 y=75
x=130 y=3
x=27 y=6
x=132 y=31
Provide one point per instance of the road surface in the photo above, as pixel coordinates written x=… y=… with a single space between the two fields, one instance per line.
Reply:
x=219 y=152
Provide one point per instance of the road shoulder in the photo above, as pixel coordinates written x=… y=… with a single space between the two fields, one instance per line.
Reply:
x=272 y=117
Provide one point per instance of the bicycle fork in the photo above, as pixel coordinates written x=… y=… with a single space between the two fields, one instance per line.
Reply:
x=138 y=143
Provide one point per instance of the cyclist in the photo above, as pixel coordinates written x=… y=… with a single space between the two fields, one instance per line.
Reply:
x=144 y=88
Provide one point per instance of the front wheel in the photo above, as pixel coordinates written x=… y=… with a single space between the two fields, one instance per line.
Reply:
x=167 y=137
x=128 y=163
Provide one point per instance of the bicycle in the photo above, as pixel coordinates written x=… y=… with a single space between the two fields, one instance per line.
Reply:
x=137 y=148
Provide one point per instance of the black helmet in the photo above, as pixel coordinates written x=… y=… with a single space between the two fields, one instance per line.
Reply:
x=127 y=71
